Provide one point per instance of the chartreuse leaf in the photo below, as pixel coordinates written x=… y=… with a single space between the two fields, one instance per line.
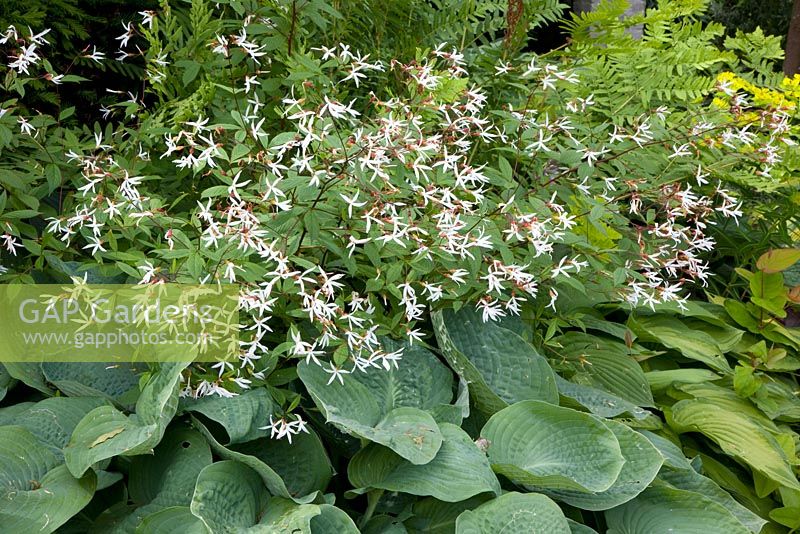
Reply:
x=777 y=260
x=642 y=463
x=500 y=367
x=106 y=432
x=387 y=407
x=241 y=416
x=459 y=471
x=539 y=445
x=663 y=510
x=312 y=473
x=37 y=492
x=171 y=520
x=605 y=364
x=528 y=513
x=228 y=496
x=737 y=434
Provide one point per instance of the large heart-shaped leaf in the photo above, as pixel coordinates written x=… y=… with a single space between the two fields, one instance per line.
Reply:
x=433 y=516
x=228 y=496
x=118 y=382
x=37 y=492
x=271 y=479
x=387 y=407
x=241 y=416
x=536 y=444
x=106 y=432
x=514 y=513
x=500 y=367
x=51 y=420
x=642 y=463
x=663 y=510
x=459 y=470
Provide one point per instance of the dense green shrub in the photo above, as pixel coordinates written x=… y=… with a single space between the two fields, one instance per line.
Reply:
x=468 y=271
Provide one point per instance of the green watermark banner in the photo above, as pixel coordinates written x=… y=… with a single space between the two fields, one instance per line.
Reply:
x=125 y=323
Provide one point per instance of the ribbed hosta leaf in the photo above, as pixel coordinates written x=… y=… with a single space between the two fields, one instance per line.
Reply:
x=459 y=470
x=171 y=520
x=387 y=407
x=662 y=510
x=738 y=435
x=514 y=513
x=313 y=471
x=501 y=367
x=693 y=343
x=106 y=432
x=283 y=515
x=606 y=364
x=228 y=496
x=118 y=382
x=536 y=444
x=241 y=416
x=37 y=492
x=642 y=463
x=52 y=420
x=597 y=401
x=433 y=516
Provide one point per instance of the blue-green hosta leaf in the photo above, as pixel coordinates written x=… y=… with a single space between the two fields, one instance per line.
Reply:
x=241 y=416
x=674 y=334
x=387 y=409
x=579 y=528
x=166 y=479
x=171 y=520
x=229 y=496
x=433 y=516
x=663 y=510
x=303 y=464
x=283 y=515
x=514 y=513
x=605 y=364
x=536 y=444
x=500 y=367
x=52 y=420
x=691 y=480
x=5 y=381
x=37 y=492
x=642 y=463
x=118 y=382
x=598 y=401
x=106 y=432
x=737 y=435
x=312 y=471
x=679 y=473
x=459 y=471
x=30 y=374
